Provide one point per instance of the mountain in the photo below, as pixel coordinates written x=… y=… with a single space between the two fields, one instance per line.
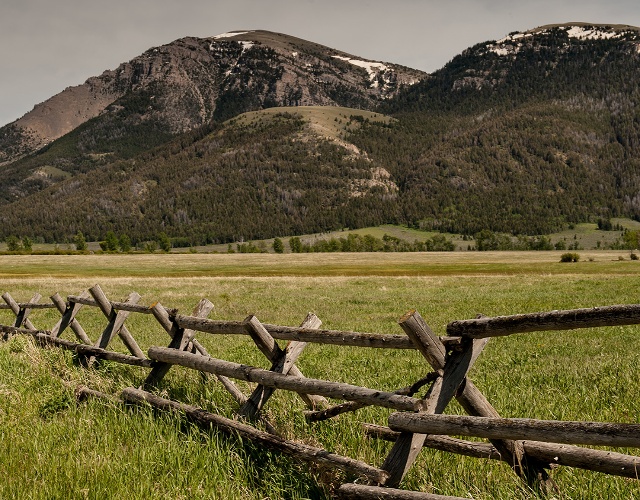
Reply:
x=188 y=83
x=523 y=135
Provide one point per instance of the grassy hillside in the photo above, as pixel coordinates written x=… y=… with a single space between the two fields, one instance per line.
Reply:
x=585 y=374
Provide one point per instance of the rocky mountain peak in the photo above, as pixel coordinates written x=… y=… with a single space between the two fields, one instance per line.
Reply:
x=190 y=82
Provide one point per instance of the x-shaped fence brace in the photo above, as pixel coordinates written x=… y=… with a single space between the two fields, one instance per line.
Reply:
x=450 y=359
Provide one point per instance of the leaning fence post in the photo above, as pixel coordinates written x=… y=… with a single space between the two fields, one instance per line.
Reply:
x=282 y=362
x=272 y=351
x=474 y=403
x=69 y=319
x=170 y=326
x=180 y=338
x=116 y=321
x=21 y=314
x=455 y=368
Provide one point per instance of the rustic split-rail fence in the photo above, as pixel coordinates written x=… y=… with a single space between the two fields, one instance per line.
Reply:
x=531 y=447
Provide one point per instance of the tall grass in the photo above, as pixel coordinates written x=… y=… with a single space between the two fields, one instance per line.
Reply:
x=54 y=447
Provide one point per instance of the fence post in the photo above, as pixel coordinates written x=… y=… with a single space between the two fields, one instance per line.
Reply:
x=68 y=318
x=272 y=351
x=21 y=314
x=180 y=338
x=116 y=321
x=282 y=362
x=455 y=368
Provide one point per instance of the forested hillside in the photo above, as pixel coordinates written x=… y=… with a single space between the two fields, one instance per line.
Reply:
x=271 y=176
x=523 y=135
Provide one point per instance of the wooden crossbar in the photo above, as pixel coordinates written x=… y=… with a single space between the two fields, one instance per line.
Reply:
x=554 y=431
x=279 y=381
x=499 y=326
x=119 y=306
x=326 y=337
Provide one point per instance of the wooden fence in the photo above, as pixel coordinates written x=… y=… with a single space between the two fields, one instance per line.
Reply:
x=530 y=447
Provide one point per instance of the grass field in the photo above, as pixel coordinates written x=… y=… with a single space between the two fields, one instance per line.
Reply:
x=54 y=447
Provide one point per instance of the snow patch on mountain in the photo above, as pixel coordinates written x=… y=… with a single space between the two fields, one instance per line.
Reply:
x=582 y=33
x=372 y=68
x=230 y=34
x=512 y=43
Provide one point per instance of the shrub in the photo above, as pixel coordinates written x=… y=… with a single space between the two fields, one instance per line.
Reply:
x=124 y=242
x=80 y=242
x=278 y=246
x=570 y=257
x=27 y=244
x=13 y=243
x=164 y=242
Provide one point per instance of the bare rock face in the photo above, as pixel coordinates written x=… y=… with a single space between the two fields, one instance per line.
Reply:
x=66 y=111
x=189 y=82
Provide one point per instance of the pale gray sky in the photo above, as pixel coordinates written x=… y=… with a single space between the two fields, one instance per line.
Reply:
x=46 y=46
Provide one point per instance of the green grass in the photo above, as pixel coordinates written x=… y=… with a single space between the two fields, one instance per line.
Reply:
x=54 y=447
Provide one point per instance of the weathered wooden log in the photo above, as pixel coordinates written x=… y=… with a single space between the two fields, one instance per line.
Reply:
x=455 y=368
x=555 y=431
x=44 y=337
x=162 y=316
x=82 y=393
x=472 y=400
x=351 y=406
x=20 y=312
x=329 y=337
x=68 y=319
x=543 y=321
x=14 y=330
x=297 y=450
x=304 y=385
x=28 y=305
x=423 y=339
x=282 y=361
x=116 y=321
x=113 y=356
x=352 y=491
x=119 y=306
x=442 y=443
x=180 y=338
x=607 y=462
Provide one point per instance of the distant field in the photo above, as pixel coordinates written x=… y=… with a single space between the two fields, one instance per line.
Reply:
x=53 y=446
x=592 y=262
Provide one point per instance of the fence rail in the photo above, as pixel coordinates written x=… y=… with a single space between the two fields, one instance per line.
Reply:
x=531 y=447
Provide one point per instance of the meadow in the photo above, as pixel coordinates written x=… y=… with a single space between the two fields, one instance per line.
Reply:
x=55 y=447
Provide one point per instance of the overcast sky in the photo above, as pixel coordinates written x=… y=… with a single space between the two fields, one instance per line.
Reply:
x=47 y=45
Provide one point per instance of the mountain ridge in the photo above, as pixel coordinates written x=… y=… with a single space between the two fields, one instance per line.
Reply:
x=523 y=135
